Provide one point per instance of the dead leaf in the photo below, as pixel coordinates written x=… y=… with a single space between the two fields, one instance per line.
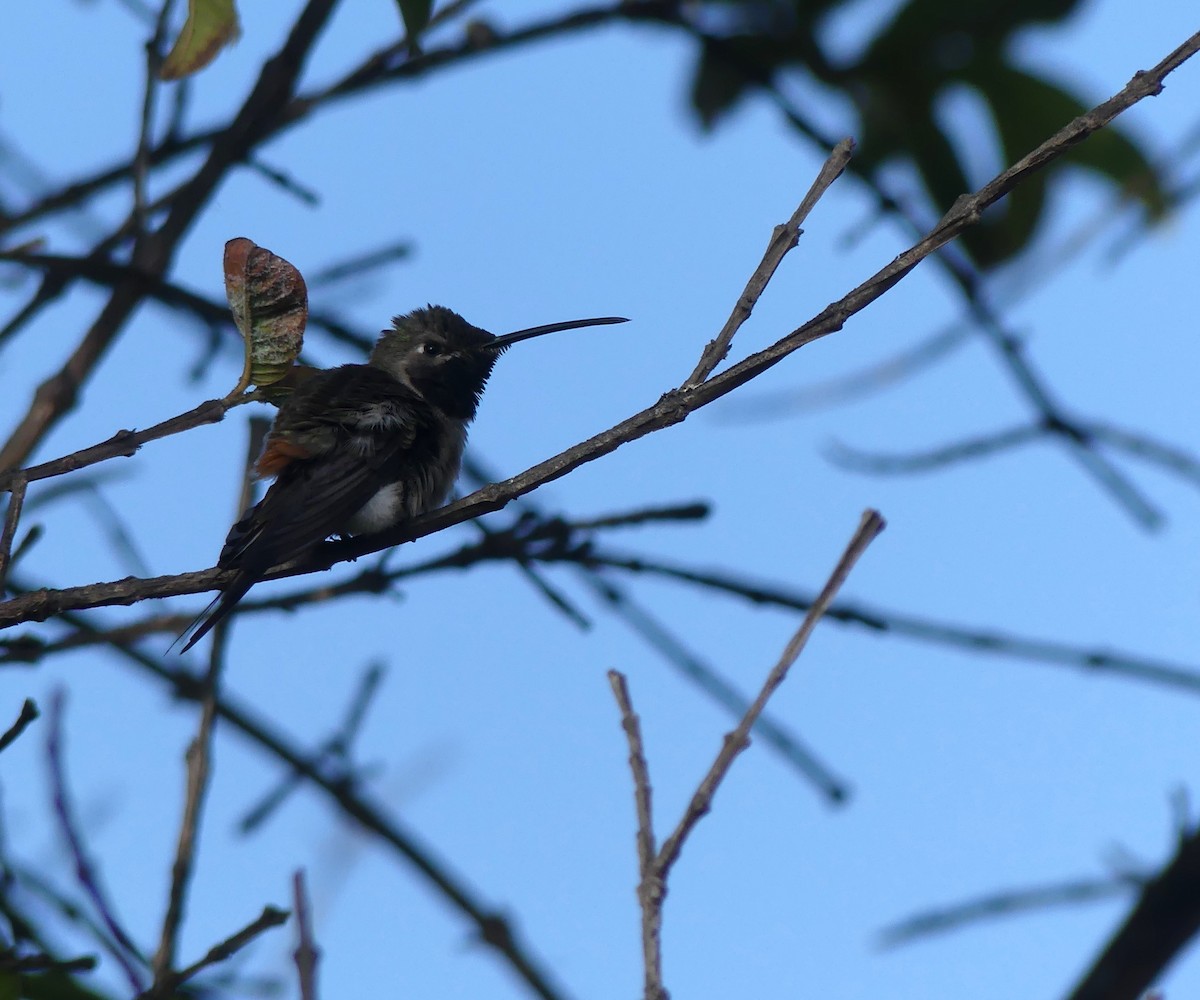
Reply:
x=269 y=301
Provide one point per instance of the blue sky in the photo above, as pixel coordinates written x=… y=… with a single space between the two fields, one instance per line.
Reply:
x=566 y=180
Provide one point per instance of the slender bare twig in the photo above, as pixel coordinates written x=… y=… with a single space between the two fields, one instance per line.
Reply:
x=873 y=377
x=11 y=518
x=360 y=264
x=676 y=654
x=655 y=864
x=15 y=965
x=698 y=510
x=493 y=927
x=984 y=445
x=774 y=733
x=307 y=953
x=735 y=742
x=270 y=917
x=976 y=640
x=199 y=760
x=1008 y=347
x=29 y=712
x=553 y=595
x=127 y=955
x=125 y=443
x=650 y=886
x=335 y=749
x=1172 y=457
x=79 y=917
x=783 y=239
x=272 y=91
x=673 y=407
x=141 y=157
x=1003 y=904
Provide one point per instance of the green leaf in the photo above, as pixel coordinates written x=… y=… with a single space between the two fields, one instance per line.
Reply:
x=716 y=87
x=210 y=26
x=416 y=15
x=269 y=301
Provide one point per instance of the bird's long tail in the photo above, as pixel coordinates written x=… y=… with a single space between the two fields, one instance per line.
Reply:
x=218 y=608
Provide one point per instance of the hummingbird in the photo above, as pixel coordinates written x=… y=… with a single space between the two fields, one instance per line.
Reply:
x=360 y=448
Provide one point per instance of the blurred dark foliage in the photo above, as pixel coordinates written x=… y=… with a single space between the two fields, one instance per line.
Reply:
x=906 y=68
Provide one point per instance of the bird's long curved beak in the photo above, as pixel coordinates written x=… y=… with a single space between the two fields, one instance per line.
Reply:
x=536 y=331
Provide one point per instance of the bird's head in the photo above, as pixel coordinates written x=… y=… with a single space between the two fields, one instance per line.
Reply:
x=446 y=360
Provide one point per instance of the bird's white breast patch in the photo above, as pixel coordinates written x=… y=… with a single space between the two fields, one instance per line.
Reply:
x=382 y=511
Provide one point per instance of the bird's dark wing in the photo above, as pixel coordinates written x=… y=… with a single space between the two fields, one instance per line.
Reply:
x=336 y=439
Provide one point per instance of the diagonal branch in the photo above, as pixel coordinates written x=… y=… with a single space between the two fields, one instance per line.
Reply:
x=153 y=254
x=783 y=239
x=1165 y=918
x=672 y=408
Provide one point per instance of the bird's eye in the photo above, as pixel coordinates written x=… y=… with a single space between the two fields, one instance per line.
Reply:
x=431 y=348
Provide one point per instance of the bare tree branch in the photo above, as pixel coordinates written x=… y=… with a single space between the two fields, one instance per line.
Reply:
x=29 y=712
x=274 y=88
x=672 y=408
x=735 y=742
x=307 y=953
x=655 y=863
x=650 y=886
x=1165 y=918
x=783 y=239
x=270 y=917
x=984 y=445
x=493 y=927
x=1003 y=904
x=12 y=517
x=127 y=954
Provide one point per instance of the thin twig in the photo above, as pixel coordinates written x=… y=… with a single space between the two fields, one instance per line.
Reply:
x=698 y=510
x=969 y=449
x=1003 y=904
x=492 y=926
x=29 y=712
x=672 y=408
x=11 y=965
x=735 y=742
x=270 y=917
x=307 y=953
x=976 y=640
x=199 y=757
x=1171 y=457
x=1008 y=347
x=11 y=518
x=874 y=377
x=125 y=443
x=783 y=239
x=274 y=88
x=360 y=264
x=127 y=955
x=655 y=867
x=651 y=887
x=141 y=157
x=78 y=916
x=336 y=748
